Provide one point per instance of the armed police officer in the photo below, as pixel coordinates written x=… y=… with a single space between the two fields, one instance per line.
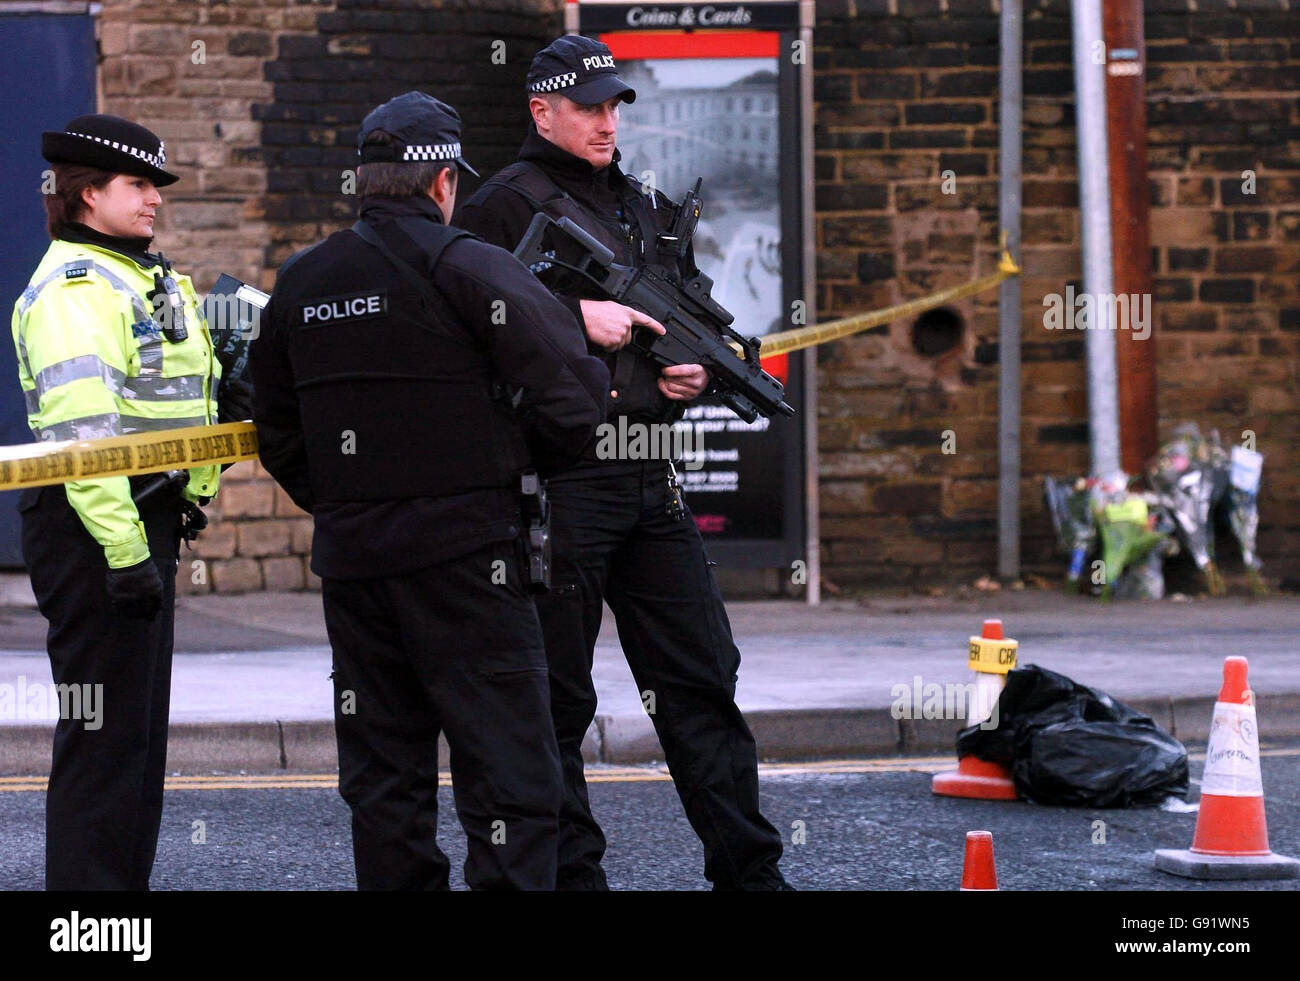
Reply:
x=620 y=532
x=409 y=376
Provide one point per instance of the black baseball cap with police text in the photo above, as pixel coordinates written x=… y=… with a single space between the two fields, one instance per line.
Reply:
x=580 y=68
x=423 y=128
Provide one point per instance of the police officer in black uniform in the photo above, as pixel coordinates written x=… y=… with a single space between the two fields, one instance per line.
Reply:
x=621 y=533
x=408 y=374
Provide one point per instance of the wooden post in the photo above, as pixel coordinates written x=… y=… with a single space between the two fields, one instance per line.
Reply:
x=1126 y=125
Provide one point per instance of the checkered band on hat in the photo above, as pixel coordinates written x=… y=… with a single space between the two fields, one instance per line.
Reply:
x=153 y=159
x=432 y=151
x=555 y=82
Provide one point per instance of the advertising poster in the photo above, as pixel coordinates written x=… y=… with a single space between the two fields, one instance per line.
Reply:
x=710 y=105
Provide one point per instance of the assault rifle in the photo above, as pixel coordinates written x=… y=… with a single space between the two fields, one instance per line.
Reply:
x=698 y=327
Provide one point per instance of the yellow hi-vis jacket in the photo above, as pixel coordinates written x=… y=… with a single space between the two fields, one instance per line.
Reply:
x=93 y=362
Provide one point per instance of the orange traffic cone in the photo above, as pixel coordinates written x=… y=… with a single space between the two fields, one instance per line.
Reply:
x=979 y=874
x=991 y=657
x=1231 y=840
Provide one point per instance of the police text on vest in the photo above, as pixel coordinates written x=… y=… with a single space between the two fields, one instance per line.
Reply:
x=344 y=308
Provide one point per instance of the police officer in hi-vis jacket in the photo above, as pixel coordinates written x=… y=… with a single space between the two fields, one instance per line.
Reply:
x=110 y=341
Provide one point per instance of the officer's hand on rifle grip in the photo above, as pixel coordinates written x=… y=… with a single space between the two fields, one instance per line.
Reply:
x=683 y=382
x=609 y=324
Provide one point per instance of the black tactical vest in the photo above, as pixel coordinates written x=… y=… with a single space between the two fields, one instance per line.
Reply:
x=398 y=399
x=633 y=376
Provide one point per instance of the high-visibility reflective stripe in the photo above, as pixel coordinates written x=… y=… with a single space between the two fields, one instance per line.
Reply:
x=151 y=356
x=146 y=424
x=22 y=354
x=112 y=424
x=75 y=369
x=143 y=388
x=83 y=427
x=156 y=388
x=33 y=401
x=31 y=294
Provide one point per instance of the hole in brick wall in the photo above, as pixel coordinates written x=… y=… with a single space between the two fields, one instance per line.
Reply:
x=936 y=332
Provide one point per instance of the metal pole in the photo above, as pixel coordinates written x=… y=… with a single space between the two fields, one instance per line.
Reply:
x=1094 y=217
x=1009 y=106
x=1126 y=122
x=812 y=507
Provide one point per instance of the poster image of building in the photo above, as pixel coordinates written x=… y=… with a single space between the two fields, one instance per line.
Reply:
x=716 y=119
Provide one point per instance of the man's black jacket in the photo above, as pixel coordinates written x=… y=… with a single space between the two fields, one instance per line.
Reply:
x=500 y=215
x=432 y=489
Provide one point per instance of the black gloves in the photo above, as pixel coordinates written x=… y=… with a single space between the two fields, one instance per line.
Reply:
x=234 y=400
x=193 y=520
x=137 y=590
x=234 y=404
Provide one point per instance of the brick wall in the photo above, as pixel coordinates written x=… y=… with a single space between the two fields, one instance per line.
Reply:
x=262 y=129
x=906 y=90
x=193 y=72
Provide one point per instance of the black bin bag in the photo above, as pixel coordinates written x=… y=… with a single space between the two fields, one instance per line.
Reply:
x=1066 y=743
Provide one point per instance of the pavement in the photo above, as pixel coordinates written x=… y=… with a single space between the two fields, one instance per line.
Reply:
x=251 y=690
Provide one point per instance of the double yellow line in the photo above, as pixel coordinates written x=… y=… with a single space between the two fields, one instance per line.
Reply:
x=597 y=774
x=594 y=774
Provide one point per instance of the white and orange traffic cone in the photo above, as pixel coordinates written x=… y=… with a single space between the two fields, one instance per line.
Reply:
x=991 y=656
x=978 y=872
x=1231 y=839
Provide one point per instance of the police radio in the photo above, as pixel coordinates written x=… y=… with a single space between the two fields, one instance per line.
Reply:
x=169 y=303
x=685 y=217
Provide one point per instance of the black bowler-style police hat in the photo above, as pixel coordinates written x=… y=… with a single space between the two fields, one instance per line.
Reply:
x=110 y=143
x=424 y=128
x=580 y=68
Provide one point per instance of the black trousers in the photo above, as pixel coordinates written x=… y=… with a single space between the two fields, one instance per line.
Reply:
x=613 y=539
x=104 y=804
x=449 y=648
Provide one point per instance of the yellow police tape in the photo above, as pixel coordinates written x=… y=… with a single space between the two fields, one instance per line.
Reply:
x=801 y=337
x=34 y=464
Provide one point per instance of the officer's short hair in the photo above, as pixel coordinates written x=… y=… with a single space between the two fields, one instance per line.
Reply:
x=552 y=99
x=399 y=179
